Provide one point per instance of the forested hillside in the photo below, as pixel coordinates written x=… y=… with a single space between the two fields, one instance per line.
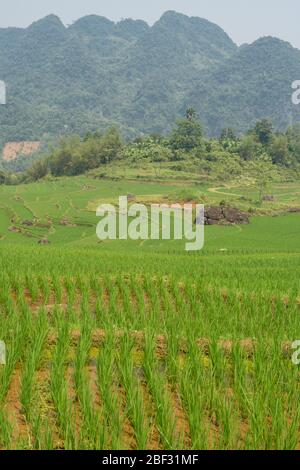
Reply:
x=96 y=73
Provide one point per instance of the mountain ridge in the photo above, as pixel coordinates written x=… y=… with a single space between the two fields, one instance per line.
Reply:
x=96 y=73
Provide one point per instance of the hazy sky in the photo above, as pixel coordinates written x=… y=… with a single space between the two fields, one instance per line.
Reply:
x=243 y=20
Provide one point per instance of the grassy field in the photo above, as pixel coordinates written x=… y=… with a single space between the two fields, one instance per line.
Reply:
x=64 y=212
x=125 y=345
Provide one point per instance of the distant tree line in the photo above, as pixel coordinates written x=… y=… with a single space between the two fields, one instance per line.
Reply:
x=75 y=155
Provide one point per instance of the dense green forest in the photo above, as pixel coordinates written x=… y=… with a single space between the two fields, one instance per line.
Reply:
x=261 y=151
x=95 y=74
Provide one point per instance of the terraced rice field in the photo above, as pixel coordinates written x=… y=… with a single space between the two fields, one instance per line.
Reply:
x=104 y=361
x=129 y=346
x=63 y=211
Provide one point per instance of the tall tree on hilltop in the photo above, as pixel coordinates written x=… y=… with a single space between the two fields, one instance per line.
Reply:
x=190 y=114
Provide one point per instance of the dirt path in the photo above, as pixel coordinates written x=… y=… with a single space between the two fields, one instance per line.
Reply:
x=216 y=191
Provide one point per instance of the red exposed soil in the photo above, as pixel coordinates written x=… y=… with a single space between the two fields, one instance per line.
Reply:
x=13 y=150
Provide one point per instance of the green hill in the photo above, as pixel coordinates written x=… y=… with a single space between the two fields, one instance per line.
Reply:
x=252 y=84
x=96 y=72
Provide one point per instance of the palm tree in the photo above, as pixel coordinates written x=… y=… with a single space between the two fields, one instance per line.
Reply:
x=190 y=114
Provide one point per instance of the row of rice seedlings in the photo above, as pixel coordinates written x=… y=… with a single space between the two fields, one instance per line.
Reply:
x=70 y=287
x=92 y=432
x=165 y=420
x=109 y=305
x=57 y=287
x=154 y=318
x=45 y=289
x=218 y=364
x=291 y=438
x=101 y=308
x=222 y=406
x=95 y=283
x=206 y=380
x=205 y=309
x=84 y=295
x=246 y=273
x=86 y=311
x=31 y=283
x=242 y=391
x=121 y=302
x=172 y=356
x=82 y=284
x=41 y=431
x=250 y=314
x=115 y=316
x=129 y=317
x=204 y=316
x=6 y=300
x=59 y=389
x=258 y=414
x=214 y=314
x=138 y=292
x=175 y=363
x=58 y=317
x=183 y=307
x=12 y=330
x=193 y=394
x=15 y=280
x=107 y=383
x=14 y=336
x=135 y=407
x=6 y=431
x=272 y=417
x=241 y=371
x=289 y=380
x=36 y=344
x=227 y=421
x=177 y=308
x=215 y=380
x=189 y=307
